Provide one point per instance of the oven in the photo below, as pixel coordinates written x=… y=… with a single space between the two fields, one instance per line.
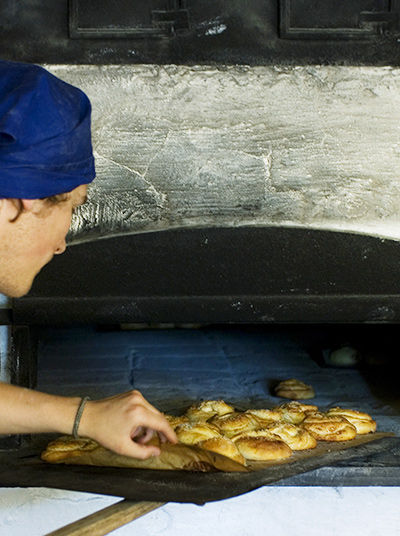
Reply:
x=243 y=227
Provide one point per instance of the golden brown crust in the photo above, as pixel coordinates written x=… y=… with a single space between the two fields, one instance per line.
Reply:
x=329 y=427
x=223 y=446
x=176 y=421
x=172 y=457
x=207 y=409
x=256 y=433
x=295 y=412
x=233 y=423
x=297 y=438
x=363 y=422
x=66 y=446
x=263 y=448
x=266 y=415
x=223 y=439
x=190 y=434
x=299 y=406
x=294 y=389
x=292 y=414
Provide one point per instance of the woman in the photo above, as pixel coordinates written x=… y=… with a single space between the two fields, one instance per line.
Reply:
x=46 y=162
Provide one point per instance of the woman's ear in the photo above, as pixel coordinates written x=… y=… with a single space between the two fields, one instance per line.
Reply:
x=10 y=208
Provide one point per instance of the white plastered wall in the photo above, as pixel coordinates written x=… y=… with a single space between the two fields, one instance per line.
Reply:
x=176 y=146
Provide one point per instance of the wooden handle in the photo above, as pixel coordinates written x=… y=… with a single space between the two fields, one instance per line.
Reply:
x=106 y=520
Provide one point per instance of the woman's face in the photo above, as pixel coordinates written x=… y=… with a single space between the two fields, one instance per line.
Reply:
x=29 y=243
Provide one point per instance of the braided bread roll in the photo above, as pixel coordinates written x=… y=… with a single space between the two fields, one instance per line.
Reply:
x=363 y=422
x=207 y=409
x=294 y=389
x=259 y=448
x=329 y=427
x=233 y=423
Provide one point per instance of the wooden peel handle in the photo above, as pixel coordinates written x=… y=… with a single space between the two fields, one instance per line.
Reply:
x=106 y=520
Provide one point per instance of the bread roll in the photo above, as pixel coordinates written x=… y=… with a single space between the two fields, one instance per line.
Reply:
x=299 y=406
x=207 y=409
x=295 y=412
x=294 y=389
x=262 y=448
x=67 y=446
x=297 y=438
x=233 y=423
x=363 y=422
x=67 y=450
x=329 y=427
x=223 y=446
x=176 y=421
x=191 y=434
x=266 y=434
x=267 y=415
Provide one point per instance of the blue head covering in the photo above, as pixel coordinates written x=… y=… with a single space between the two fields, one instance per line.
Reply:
x=45 y=141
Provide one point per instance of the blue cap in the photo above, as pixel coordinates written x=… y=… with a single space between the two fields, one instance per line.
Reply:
x=45 y=139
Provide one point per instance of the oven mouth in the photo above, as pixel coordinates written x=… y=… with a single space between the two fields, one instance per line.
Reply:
x=219 y=275
x=241 y=364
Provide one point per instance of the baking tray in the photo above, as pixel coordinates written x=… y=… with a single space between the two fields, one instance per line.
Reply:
x=24 y=468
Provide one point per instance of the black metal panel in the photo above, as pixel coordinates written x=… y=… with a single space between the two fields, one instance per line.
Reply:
x=358 y=19
x=198 y=31
x=126 y=19
x=247 y=274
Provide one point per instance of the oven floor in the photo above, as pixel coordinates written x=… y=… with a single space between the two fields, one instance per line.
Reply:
x=240 y=364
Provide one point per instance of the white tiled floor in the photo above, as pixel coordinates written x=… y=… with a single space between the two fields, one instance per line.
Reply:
x=281 y=511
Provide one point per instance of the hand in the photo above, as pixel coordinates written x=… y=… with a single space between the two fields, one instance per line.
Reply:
x=124 y=423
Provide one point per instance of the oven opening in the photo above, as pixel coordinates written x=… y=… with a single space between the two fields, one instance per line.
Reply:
x=187 y=315
x=350 y=366
x=174 y=365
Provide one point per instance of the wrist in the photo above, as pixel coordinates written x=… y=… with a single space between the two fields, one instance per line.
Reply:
x=56 y=413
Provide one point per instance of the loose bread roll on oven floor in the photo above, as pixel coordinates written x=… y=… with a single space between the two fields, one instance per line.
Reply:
x=294 y=389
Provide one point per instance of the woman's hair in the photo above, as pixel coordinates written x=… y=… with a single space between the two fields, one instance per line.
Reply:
x=52 y=200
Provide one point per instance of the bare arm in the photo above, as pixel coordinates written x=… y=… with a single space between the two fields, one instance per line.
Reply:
x=123 y=423
x=23 y=411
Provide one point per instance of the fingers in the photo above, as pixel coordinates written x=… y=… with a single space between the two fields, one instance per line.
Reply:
x=162 y=437
x=125 y=423
x=143 y=435
x=148 y=419
x=136 y=450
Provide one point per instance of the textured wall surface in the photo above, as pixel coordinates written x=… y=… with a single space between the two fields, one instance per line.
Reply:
x=179 y=146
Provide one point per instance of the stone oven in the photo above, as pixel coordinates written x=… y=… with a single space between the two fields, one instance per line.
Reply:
x=248 y=164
